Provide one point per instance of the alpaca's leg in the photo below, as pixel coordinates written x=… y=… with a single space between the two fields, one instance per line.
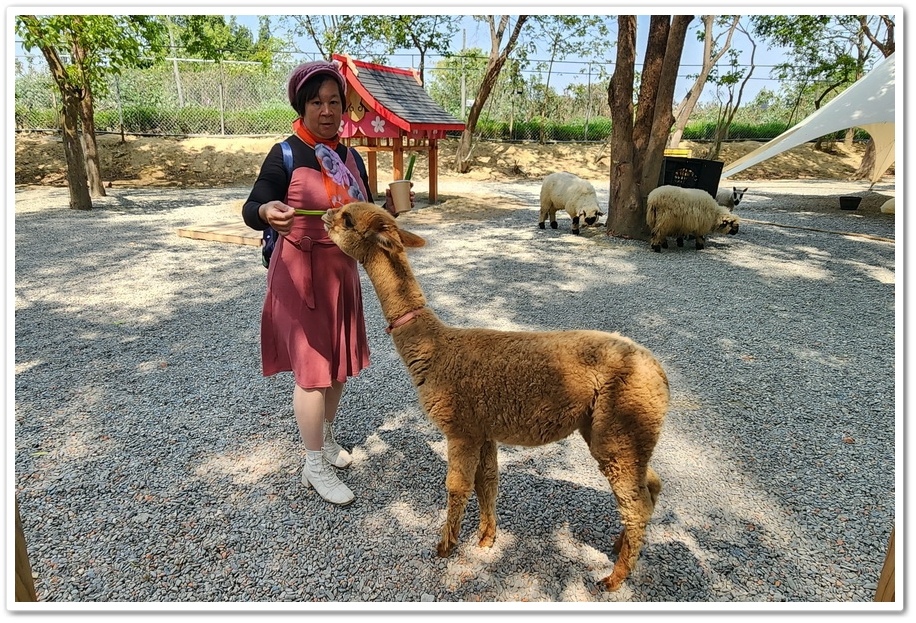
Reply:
x=654 y=483
x=635 y=491
x=463 y=456
x=486 y=483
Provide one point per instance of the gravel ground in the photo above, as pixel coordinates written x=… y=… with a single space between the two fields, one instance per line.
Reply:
x=153 y=463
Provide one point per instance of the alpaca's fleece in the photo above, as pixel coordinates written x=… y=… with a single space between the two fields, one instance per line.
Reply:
x=676 y=211
x=730 y=198
x=482 y=387
x=565 y=191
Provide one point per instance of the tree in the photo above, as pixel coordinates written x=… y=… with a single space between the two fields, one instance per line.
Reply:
x=423 y=33
x=81 y=51
x=638 y=143
x=445 y=85
x=712 y=54
x=730 y=108
x=341 y=34
x=584 y=35
x=829 y=51
x=495 y=62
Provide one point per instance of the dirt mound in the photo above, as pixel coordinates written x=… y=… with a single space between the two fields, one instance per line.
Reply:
x=235 y=161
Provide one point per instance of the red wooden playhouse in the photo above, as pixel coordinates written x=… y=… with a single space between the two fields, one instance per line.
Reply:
x=388 y=110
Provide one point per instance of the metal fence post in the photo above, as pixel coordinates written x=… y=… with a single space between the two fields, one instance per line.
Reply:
x=222 y=108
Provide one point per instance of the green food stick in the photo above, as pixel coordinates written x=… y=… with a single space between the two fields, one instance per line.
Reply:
x=413 y=157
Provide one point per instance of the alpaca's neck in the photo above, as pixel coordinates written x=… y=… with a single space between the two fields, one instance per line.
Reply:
x=397 y=289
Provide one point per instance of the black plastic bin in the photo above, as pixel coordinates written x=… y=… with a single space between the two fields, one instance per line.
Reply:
x=691 y=173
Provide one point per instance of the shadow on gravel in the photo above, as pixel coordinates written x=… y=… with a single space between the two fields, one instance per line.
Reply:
x=150 y=451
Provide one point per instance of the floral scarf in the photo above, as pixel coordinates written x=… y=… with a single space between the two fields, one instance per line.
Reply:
x=341 y=185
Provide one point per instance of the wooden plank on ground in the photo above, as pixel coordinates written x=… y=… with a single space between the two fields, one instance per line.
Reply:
x=232 y=232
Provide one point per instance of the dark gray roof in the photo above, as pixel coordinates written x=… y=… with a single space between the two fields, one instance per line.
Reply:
x=403 y=96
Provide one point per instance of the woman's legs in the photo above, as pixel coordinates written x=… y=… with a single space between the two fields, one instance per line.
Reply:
x=311 y=408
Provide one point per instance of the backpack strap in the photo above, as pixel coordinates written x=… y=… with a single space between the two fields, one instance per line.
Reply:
x=287 y=158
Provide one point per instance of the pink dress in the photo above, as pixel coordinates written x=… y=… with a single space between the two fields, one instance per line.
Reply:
x=312 y=323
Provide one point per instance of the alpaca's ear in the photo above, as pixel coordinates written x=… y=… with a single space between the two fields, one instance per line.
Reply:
x=410 y=240
x=384 y=233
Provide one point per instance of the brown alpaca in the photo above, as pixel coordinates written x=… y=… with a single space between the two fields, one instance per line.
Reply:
x=482 y=386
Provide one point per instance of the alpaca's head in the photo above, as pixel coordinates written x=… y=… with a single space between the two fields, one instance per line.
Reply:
x=361 y=229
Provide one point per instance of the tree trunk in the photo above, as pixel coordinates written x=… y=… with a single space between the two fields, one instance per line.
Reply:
x=685 y=108
x=494 y=66
x=73 y=153
x=868 y=162
x=638 y=147
x=70 y=120
x=654 y=152
x=626 y=214
x=90 y=146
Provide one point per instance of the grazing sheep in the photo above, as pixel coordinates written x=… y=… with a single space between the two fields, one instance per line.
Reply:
x=482 y=387
x=676 y=211
x=730 y=198
x=565 y=191
x=888 y=206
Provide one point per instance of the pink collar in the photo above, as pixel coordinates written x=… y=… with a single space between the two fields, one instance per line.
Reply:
x=403 y=320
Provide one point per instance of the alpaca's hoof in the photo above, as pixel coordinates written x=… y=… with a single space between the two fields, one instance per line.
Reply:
x=487 y=540
x=444 y=550
x=541 y=225
x=553 y=224
x=611 y=583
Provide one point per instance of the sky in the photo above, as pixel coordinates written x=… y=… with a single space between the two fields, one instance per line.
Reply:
x=476 y=34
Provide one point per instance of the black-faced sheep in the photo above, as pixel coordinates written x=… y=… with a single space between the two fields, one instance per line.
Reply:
x=730 y=198
x=676 y=211
x=565 y=191
x=482 y=387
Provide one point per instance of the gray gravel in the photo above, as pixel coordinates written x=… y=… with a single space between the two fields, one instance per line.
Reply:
x=153 y=463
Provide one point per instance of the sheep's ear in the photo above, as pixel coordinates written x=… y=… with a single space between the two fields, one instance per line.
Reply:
x=410 y=240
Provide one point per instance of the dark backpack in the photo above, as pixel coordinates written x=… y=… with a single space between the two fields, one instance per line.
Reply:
x=270 y=236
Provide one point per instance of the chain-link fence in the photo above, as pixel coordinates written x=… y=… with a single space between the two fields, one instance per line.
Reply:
x=184 y=97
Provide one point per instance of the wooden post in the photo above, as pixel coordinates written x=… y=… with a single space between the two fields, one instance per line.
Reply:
x=397 y=159
x=373 y=167
x=433 y=170
x=885 y=591
x=25 y=585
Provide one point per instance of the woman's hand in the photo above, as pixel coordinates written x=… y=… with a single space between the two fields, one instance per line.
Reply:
x=389 y=201
x=278 y=215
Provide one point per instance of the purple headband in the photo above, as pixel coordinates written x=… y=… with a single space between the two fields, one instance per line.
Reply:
x=308 y=70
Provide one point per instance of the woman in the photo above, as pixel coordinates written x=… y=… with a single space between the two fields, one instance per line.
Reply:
x=312 y=322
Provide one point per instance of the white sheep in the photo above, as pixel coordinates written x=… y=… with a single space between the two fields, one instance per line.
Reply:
x=565 y=191
x=482 y=387
x=730 y=198
x=676 y=211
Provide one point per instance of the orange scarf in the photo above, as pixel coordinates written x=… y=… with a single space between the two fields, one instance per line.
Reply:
x=341 y=186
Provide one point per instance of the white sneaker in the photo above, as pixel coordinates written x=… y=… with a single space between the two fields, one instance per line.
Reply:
x=336 y=456
x=317 y=472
